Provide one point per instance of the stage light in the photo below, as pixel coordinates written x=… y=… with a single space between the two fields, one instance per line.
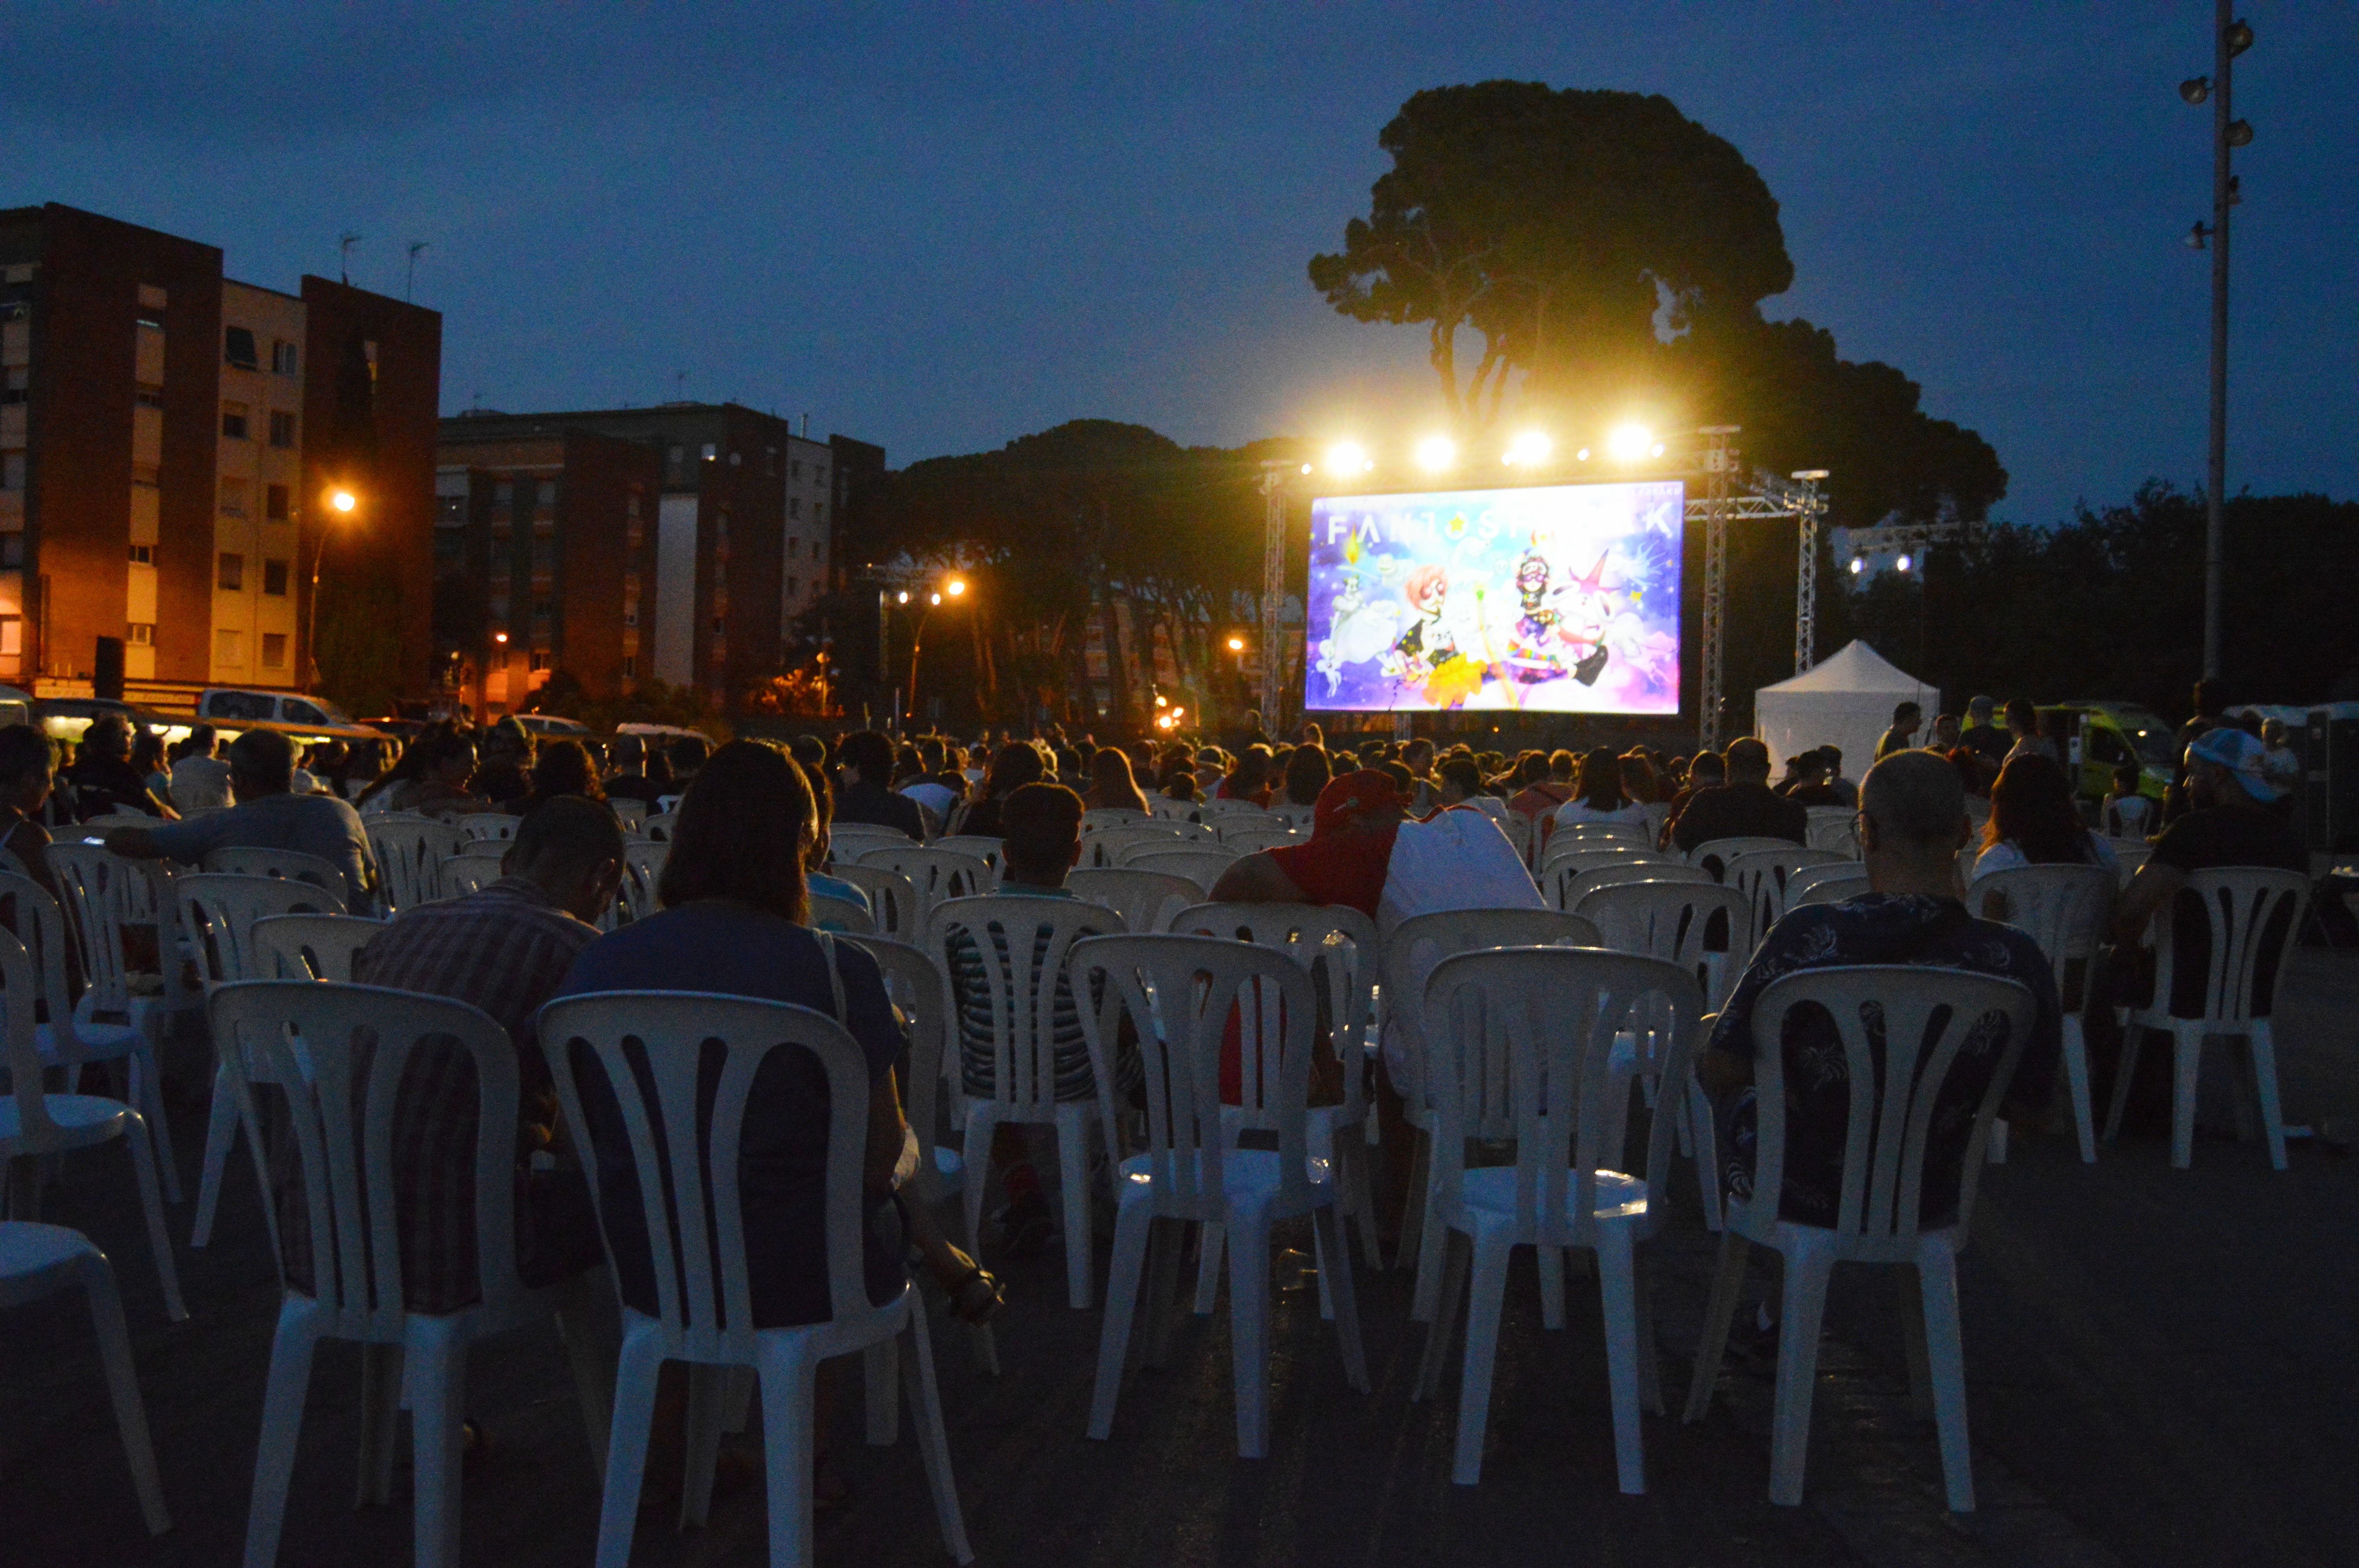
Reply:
x=1902 y=564
x=955 y=587
x=1236 y=644
x=1161 y=701
x=902 y=596
x=1528 y=448
x=1436 y=453
x=1305 y=468
x=1348 y=458
x=936 y=598
x=1582 y=455
x=1658 y=450
x=1629 y=443
x=2196 y=89
x=1857 y=566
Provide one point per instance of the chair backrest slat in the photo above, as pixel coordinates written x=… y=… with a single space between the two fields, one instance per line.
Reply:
x=309 y=946
x=1413 y=948
x=893 y=900
x=409 y=854
x=218 y=910
x=2255 y=914
x=1022 y=945
x=1704 y=928
x=1146 y=900
x=1337 y=946
x=251 y=861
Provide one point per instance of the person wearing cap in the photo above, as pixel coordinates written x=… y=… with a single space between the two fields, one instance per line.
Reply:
x=2231 y=823
x=1744 y=807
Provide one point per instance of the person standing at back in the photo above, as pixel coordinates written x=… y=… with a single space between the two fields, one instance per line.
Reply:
x=1744 y=807
x=201 y=779
x=2128 y=812
x=2023 y=725
x=1906 y=719
x=1981 y=737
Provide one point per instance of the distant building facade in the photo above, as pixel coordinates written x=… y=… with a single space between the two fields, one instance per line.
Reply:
x=678 y=543
x=166 y=440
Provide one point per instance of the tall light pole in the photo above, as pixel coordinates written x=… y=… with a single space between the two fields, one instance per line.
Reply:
x=341 y=503
x=952 y=588
x=2229 y=37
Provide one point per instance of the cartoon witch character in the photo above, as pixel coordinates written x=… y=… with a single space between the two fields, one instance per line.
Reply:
x=1532 y=645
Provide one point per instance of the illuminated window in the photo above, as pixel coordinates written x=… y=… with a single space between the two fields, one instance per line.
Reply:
x=143 y=633
x=274 y=650
x=233 y=572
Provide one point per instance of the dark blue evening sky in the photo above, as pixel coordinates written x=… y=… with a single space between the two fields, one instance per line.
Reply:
x=940 y=227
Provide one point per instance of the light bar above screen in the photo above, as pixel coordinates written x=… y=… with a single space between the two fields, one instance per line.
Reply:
x=1558 y=599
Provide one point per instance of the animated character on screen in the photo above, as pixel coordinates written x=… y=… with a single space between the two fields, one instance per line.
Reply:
x=1427 y=656
x=1588 y=611
x=1356 y=631
x=1534 y=648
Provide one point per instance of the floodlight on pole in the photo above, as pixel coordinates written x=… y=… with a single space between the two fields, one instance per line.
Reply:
x=1629 y=443
x=1436 y=453
x=1348 y=459
x=1528 y=449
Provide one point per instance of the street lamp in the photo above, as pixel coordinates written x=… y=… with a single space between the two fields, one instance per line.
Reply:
x=2229 y=37
x=342 y=502
x=953 y=587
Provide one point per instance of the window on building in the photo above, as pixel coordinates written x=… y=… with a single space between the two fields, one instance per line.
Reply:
x=232 y=497
x=282 y=428
x=796 y=469
x=148 y=396
x=794 y=586
x=710 y=451
x=549 y=492
x=143 y=555
x=12 y=636
x=274 y=650
x=15 y=384
x=720 y=624
x=542 y=609
x=233 y=421
x=274 y=578
x=819 y=511
x=238 y=349
x=12 y=552
x=274 y=502
x=282 y=357
x=152 y=297
x=449 y=511
x=630 y=662
x=448 y=547
x=12 y=471
x=232 y=576
x=142 y=634
x=228 y=648
x=818 y=473
x=631 y=612
x=541 y=660
x=503 y=492
x=793 y=507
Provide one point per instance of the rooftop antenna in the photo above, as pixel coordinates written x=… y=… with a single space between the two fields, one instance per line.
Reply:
x=806 y=424
x=680 y=386
x=411 y=282
x=344 y=256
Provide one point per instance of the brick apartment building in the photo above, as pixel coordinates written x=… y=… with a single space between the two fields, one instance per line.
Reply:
x=166 y=438
x=676 y=543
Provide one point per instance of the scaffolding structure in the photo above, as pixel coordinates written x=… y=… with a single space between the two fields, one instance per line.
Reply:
x=1771 y=498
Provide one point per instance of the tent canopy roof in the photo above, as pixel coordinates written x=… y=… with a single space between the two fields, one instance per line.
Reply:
x=1856 y=668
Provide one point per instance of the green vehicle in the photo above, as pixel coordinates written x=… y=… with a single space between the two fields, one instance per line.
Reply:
x=2101 y=736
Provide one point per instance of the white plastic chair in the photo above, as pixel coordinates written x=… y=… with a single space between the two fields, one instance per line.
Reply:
x=1927 y=1016
x=219 y=912
x=1102 y=847
x=1618 y=873
x=38 y=1260
x=306 y=1036
x=986 y=850
x=631 y=814
x=463 y=874
x=1202 y=865
x=1337 y=948
x=2129 y=855
x=1562 y=873
x=914 y=981
x=1146 y=900
x=1229 y=823
x=1582 y=850
x=1594 y=834
x=1411 y=950
x=309 y=946
x=2255 y=915
x=1215 y=809
x=829 y=912
x=103 y=896
x=1801 y=879
x=1713 y=854
x=246 y=861
x=686 y=1161
x=1838 y=889
x=657 y=827
x=850 y=841
x=1252 y=840
x=1831 y=828
x=1023 y=942
x=1163 y=809
x=1760 y=875
x=1178 y=992
x=642 y=866
x=893 y=901
x=1113 y=816
x=1529 y=1054
x=496 y=827
x=409 y=853
x=938 y=875
x=2065 y=910
x=35 y=1122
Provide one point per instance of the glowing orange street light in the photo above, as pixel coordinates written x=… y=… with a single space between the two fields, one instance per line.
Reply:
x=342 y=502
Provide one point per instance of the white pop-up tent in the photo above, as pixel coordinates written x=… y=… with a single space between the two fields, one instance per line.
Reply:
x=1845 y=700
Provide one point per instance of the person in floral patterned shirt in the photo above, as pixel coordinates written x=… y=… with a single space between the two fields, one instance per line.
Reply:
x=1912 y=823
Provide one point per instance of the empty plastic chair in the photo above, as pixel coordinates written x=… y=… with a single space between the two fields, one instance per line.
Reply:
x=463 y=874
x=1252 y=840
x=2065 y=910
x=1103 y=846
x=2253 y=915
x=497 y=826
x=38 y=1260
x=686 y=1156
x=657 y=829
x=1831 y=827
x=246 y=861
x=1615 y=873
x=1563 y=872
x=938 y=875
x=1926 y=1018
x=409 y=853
x=1801 y=879
x=1113 y=816
x=309 y=946
x=1146 y=900
x=1840 y=888
x=1202 y=866
x=1528 y=1054
x=829 y=912
x=1178 y=992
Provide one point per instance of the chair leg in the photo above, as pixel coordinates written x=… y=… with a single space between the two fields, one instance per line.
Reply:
x=980 y=1126
x=1617 y=1287
x=1249 y=1335
x=150 y=1078
x=1353 y=1162
x=122 y=1388
x=381 y=1373
x=1650 y=1361
x=1209 y=1248
x=626 y=1449
x=933 y=1443
x=980 y=1337
x=1319 y=1270
x=143 y=1166
x=2076 y=1083
x=437 y=1383
x=1411 y=1243
x=1798 y=1365
x=700 y=1453
x=880 y=1372
x=1130 y=1233
x=1552 y=1267
x=2132 y=1036
x=1432 y=1245
x=1945 y=1348
x=1165 y=1240
x=1910 y=1295
x=1073 y=1163
x=1451 y=1274
x=1487 y=1294
x=2263 y=1042
x=1337 y=1245
x=1714 y=1348
x=1707 y=1156
x=221 y=1137
x=786 y=1444
x=283 y=1393
x=2186 y=1058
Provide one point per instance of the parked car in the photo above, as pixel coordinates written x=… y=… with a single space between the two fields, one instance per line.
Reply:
x=549 y=726
x=241 y=705
x=2101 y=736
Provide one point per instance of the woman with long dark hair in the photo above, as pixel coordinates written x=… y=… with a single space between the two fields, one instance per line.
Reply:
x=563 y=767
x=1250 y=779
x=1015 y=764
x=1601 y=798
x=1308 y=769
x=2034 y=821
x=1113 y=786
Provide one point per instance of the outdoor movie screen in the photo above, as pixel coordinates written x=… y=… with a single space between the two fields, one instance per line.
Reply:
x=1558 y=599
